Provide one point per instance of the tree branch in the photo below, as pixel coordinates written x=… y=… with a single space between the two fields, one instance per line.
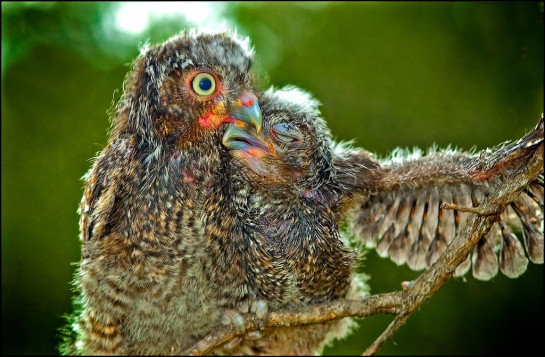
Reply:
x=312 y=314
x=414 y=294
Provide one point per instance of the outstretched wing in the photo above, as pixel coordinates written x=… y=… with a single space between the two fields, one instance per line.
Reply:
x=405 y=220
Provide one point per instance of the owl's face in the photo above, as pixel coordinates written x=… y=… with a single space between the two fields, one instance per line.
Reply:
x=183 y=91
x=293 y=147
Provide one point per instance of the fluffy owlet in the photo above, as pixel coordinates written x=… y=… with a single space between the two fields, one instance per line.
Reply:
x=280 y=207
x=294 y=187
x=177 y=228
x=144 y=279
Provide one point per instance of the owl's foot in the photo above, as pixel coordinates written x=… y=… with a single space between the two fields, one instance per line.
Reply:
x=258 y=307
x=232 y=316
x=236 y=317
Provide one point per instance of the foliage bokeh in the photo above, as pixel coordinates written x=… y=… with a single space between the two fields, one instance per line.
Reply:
x=388 y=74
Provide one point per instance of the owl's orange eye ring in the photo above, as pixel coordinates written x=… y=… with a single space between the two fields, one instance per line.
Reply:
x=204 y=84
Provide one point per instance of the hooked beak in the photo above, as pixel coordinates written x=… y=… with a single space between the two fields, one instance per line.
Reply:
x=235 y=138
x=247 y=110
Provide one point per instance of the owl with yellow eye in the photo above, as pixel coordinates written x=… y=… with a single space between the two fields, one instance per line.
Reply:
x=211 y=197
x=146 y=282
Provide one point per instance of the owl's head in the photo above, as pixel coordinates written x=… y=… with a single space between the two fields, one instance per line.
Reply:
x=181 y=92
x=294 y=147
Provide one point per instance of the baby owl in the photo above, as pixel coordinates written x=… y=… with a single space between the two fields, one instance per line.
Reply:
x=211 y=194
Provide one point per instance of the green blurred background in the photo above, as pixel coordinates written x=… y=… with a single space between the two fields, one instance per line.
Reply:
x=388 y=74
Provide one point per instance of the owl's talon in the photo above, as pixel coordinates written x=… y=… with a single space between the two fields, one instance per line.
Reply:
x=236 y=317
x=233 y=343
x=253 y=335
x=232 y=316
x=239 y=323
x=260 y=308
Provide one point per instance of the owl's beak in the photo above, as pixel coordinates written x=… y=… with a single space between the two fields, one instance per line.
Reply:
x=246 y=109
x=236 y=138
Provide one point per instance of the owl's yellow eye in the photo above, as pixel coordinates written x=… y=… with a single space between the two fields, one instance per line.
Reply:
x=204 y=84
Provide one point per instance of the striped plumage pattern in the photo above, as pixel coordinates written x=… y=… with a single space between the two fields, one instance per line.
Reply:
x=405 y=221
x=175 y=231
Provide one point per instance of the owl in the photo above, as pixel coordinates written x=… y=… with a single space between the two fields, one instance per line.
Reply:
x=292 y=174
x=144 y=278
x=280 y=209
x=212 y=195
